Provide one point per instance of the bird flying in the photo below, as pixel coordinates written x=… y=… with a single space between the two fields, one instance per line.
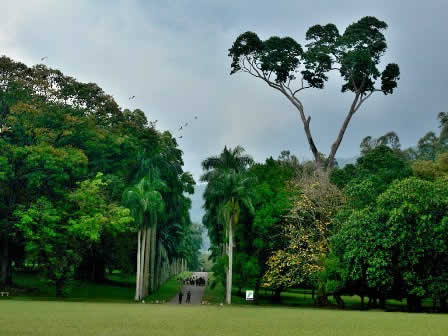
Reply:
x=131 y=97
x=44 y=58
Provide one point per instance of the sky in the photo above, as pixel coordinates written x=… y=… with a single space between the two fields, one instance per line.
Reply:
x=173 y=56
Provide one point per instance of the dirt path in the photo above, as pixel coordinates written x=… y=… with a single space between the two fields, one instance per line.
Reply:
x=196 y=291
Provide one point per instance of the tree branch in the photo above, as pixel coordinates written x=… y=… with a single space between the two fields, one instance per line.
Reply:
x=290 y=95
x=342 y=130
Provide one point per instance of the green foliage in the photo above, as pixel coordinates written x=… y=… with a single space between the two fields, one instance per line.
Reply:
x=308 y=226
x=356 y=54
x=57 y=233
x=398 y=245
x=56 y=136
x=372 y=174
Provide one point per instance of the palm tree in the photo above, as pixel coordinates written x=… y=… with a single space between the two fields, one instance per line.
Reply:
x=145 y=201
x=230 y=159
x=228 y=188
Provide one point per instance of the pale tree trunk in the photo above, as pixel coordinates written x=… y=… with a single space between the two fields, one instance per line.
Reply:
x=153 y=254
x=159 y=271
x=142 y=262
x=137 y=281
x=337 y=143
x=306 y=126
x=356 y=104
x=230 y=267
x=146 y=253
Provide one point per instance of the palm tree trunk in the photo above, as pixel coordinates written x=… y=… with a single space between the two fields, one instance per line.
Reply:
x=230 y=267
x=153 y=253
x=137 y=281
x=146 y=272
x=142 y=262
x=159 y=265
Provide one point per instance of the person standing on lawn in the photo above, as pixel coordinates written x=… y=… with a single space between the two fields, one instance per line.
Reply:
x=180 y=296
x=188 y=297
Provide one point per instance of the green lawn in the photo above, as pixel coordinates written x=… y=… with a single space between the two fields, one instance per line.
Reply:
x=297 y=298
x=118 y=288
x=46 y=318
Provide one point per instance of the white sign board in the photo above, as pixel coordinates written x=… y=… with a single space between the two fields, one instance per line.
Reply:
x=249 y=295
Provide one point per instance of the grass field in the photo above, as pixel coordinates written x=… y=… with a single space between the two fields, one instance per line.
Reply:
x=47 y=318
x=297 y=298
x=117 y=288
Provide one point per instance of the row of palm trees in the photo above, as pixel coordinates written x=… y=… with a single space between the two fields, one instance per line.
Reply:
x=154 y=263
x=228 y=189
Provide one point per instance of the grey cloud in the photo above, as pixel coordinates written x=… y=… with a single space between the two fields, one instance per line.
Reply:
x=172 y=55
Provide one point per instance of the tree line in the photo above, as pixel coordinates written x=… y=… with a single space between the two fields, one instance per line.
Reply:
x=86 y=186
x=377 y=228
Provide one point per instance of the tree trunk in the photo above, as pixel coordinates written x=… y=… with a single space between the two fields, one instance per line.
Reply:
x=443 y=305
x=414 y=303
x=337 y=143
x=321 y=298
x=143 y=262
x=60 y=283
x=159 y=266
x=137 y=279
x=146 y=252
x=339 y=300
x=306 y=127
x=100 y=270
x=153 y=254
x=276 y=297
x=230 y=267
x=4 y=261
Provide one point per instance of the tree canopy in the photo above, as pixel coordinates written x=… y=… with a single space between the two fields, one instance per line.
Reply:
x=284 y=65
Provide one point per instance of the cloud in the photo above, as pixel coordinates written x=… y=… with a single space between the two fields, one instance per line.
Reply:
x=172 y=56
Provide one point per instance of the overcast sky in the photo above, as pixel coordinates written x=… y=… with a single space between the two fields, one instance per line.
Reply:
x=172 y=55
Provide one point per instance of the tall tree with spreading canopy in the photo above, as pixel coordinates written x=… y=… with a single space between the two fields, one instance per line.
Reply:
x=284 y=65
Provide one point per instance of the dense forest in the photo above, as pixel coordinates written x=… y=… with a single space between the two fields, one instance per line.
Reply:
x=86 y=187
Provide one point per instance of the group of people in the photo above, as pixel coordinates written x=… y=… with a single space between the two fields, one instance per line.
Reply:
x=195 y=281
x=181 y=295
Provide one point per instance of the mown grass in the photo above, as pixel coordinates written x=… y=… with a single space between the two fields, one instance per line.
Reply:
x=119 y=288
x=296 y=298
x=80 y=318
